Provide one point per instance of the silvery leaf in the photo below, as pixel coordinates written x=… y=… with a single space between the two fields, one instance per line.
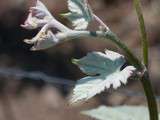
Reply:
x=104 y=70
x=80 y=13
x=118 y=113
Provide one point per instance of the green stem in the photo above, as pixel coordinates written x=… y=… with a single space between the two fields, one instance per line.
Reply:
x=153 y=110
x=144 y=38
x=109 y=35
x=145 y=80
x=130 y=56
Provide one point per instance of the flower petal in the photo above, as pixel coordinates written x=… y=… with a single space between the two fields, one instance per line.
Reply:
x=38 y=16
x=42 y=40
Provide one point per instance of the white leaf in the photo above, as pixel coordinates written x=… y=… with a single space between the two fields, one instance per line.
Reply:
x=104 y=71
x=80 y=13
x=119 y=113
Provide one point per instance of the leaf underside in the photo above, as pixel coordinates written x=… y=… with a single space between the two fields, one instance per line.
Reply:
x=104 y=71
x=80 y=13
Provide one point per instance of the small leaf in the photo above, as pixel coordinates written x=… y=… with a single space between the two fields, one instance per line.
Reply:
x=80 y=13
x=104 y=71
x=119 y=113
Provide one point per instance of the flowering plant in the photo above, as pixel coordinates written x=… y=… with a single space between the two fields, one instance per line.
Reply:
x=103 y=69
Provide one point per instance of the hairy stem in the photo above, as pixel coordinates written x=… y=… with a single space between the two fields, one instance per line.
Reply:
x=100 y=22
x=130 y=56
x=109 y=35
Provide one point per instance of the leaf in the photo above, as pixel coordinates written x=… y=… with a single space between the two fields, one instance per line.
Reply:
x=104 y=71
x=119 y=113
x=80 y=13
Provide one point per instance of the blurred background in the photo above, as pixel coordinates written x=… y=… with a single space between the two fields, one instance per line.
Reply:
x=37 y=85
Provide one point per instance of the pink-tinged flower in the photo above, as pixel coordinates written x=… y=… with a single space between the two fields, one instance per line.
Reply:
x=43 y=40
x=38 y=16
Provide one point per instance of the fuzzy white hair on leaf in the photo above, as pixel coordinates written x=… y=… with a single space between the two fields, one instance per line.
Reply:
x=80 y=13
x=104 y=71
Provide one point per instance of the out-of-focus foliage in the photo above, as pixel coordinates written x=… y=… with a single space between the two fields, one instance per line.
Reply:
x=119 y=113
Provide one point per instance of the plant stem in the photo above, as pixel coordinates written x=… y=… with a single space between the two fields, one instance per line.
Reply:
x=145 y=80
x=109 y=35
x=100 y=22
x=130 y=56
x=144 y=38
x=153 y=110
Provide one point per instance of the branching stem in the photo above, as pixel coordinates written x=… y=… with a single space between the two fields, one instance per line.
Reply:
x=145 y=80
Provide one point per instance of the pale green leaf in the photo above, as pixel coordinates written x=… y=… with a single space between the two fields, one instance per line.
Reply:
x=119 y=113
x=104 y=70
x=80 y=13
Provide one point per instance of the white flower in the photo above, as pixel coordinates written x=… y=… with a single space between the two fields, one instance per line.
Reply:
x=43 y=40
x=38 y=16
